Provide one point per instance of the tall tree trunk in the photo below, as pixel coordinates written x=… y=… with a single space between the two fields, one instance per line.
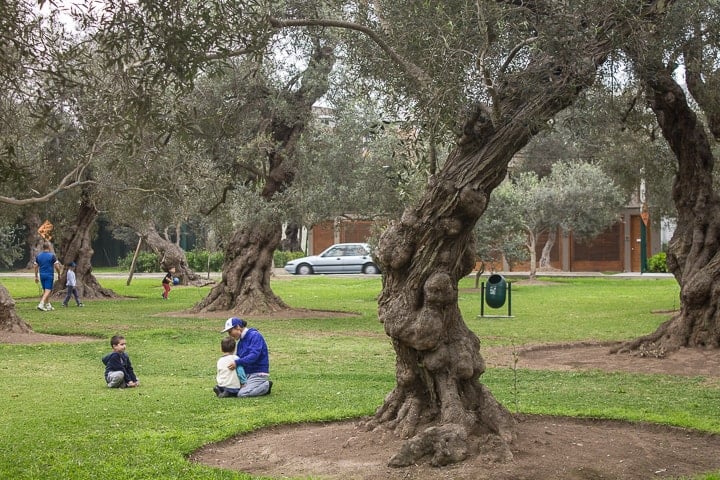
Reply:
x=694 y=250
x=291 y=242
x=532 y=248
x=245 y=285
x=10 y=321
x=438 y=404
x=77 y=247
x=34 y=240
x=547 y=248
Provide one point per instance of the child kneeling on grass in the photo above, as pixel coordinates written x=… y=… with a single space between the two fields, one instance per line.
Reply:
x=119 y=372
x=228 y=382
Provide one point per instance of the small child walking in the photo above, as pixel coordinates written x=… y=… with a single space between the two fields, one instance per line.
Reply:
x=71 y=284
x=229 y=382
x=119 y=371
x=166 y=282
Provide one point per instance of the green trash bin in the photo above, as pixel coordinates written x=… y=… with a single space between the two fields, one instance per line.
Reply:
x=496 y=291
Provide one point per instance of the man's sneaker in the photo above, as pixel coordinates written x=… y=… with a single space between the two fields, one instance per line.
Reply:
x=48 y=307
x=80 y=305
x=64 y=304
x=41 y=307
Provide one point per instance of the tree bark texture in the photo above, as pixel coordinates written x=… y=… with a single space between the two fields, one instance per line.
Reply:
x=34 y=240
x=439 y=404
x=547 y=249
x=291 y=242
x=693 y=254
x=245 y=285
x=10 y=321
x=171 y=255
x=77 y=247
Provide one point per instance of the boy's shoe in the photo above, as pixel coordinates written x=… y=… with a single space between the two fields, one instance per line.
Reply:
x=226 y=394
x=48 y=307
x=217 y=391
x=64 y=304
x=269 y=387
x=80 y=304
x=41 y=307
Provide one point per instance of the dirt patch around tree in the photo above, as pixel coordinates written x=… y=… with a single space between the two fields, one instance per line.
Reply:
x=546 y=447
x=32 y=338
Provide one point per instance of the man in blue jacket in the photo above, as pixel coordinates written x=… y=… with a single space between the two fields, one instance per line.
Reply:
x=252 y=352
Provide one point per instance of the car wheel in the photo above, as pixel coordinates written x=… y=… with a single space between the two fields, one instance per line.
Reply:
x=370 y=269
x=304 y=269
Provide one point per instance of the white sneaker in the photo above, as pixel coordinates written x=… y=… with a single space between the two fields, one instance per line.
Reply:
x=41 y=306
x=48 y=307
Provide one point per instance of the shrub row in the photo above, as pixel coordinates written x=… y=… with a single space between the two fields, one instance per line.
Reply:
x=198 y=260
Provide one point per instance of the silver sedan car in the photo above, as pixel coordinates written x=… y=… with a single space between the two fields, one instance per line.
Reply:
x=338 y=258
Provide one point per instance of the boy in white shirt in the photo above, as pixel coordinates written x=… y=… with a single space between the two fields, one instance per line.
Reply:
x=229 y=381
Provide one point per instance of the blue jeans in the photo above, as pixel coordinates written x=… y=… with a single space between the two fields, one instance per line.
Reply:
x=70 y=292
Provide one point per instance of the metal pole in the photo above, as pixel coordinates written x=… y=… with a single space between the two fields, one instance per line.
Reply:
x=482 y=299
x=509 y=293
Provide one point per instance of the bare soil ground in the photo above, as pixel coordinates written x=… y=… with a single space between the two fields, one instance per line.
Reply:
x=546 y=448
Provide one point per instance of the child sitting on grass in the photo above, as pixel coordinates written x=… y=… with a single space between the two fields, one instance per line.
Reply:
x=119 y=372
x=228 y=382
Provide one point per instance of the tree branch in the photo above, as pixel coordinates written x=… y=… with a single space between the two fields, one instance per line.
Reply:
x=418 y=76
x=62 y=186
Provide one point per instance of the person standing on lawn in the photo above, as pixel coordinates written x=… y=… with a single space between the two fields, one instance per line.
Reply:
x=71 y=284
x=166 y=282
x=46 y=264
x=252 y=354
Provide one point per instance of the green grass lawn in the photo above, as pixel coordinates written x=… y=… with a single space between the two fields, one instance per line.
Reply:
x=60 y=421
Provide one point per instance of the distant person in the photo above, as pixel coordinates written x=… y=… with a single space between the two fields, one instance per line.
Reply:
x=119 y=372
x=166 y=282
x=252 y=355
x=229 y=381
x=46 y=264
x=71 y=284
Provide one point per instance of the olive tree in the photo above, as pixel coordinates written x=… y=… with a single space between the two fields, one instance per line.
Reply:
x=508 y=67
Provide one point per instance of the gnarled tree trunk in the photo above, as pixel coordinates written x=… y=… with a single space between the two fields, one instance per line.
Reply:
x=438 y=404
x=34 y=240
x=77 y=247
x=170 y=254
x=693 y=254
x=245 y=284
x=547 y=249
x=10 y=321
x=291 y=242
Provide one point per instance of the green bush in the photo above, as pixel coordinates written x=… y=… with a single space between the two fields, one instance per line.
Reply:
x=280 y=258
x=657 y=263
x=146 y=262
x=198 y=260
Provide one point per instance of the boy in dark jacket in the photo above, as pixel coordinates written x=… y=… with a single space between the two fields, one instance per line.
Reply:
x=119 y=372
